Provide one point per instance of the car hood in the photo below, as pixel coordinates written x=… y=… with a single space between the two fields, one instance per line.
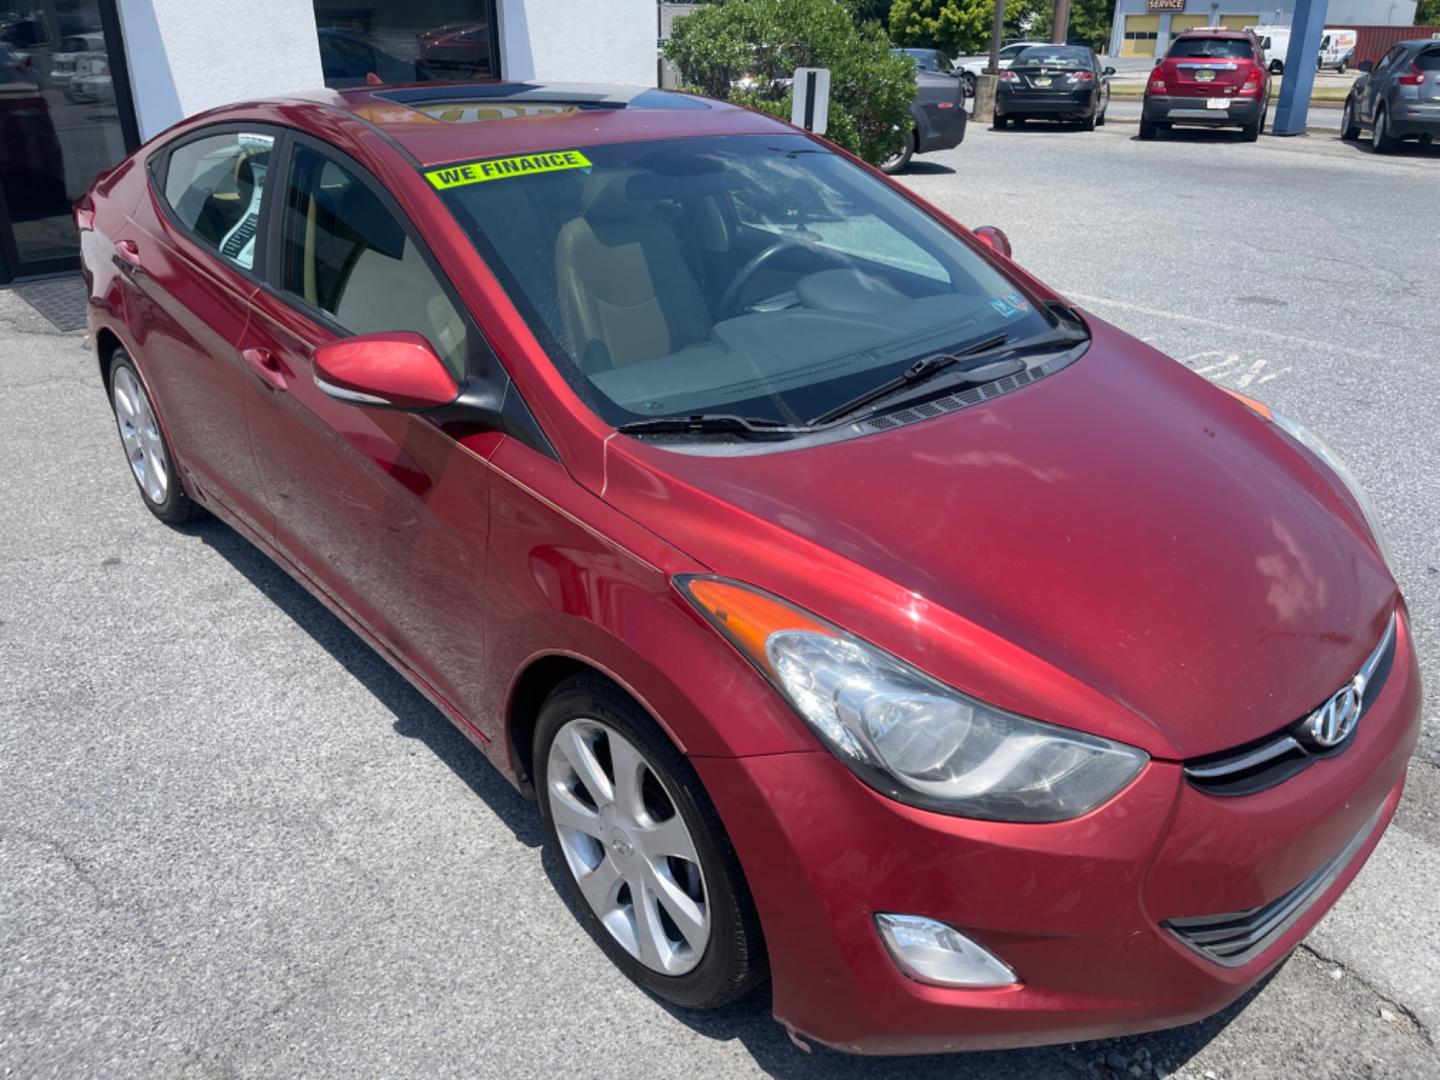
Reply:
x=1118 y=547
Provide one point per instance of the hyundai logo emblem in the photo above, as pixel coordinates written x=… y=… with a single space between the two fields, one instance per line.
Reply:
x=1332 y=723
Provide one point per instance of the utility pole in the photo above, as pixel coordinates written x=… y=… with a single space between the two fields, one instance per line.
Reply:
x=986 y=84
x=1060 y=22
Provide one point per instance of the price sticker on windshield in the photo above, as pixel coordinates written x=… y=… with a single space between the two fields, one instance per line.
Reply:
x=478 y=172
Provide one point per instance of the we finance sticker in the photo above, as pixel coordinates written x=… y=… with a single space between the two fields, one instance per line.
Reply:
x=477 y=172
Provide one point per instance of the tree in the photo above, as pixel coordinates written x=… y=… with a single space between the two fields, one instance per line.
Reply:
x=1090 y=22
x=876 y=11
x=957 y=27
x=1427 y=13
x=745 y=51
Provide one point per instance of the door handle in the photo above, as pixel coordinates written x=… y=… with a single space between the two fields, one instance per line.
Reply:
x=264 y=364
x=127 y=253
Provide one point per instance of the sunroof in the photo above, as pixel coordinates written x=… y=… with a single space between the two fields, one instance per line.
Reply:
x=471 y=102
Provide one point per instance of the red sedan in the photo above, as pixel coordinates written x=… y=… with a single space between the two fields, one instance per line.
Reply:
x=861 y=614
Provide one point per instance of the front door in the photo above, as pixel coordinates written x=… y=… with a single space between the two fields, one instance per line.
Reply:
x=65 y=117
x=381 y=508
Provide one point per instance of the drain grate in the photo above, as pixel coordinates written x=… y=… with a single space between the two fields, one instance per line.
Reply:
x=61 y=300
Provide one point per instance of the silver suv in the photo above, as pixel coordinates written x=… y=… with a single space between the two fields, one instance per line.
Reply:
x=1399 y=98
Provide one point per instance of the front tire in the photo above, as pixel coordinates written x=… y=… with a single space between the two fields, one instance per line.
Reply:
x=1349 y=129
x=644 y=858
x=1000 y=123
x=152 y=465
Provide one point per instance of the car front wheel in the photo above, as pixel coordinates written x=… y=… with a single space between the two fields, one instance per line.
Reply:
x=646 y=863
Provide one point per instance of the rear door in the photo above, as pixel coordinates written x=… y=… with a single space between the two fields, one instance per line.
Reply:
x=1378 y=82
x=1209 y=67
x=383 y=509
x=189 y=260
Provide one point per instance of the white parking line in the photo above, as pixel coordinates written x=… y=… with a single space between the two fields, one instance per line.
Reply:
x=1232 y=328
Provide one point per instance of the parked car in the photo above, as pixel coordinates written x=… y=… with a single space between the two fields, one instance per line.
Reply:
x=859 y=612
x=1054 y=82
x=90 y=81
x=73 y=50
x=972 y=67
x=1209 y=78
x=1398 y=98
x=938 y=110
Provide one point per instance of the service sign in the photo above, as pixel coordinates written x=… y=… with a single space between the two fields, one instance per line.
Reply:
x=1164 y=5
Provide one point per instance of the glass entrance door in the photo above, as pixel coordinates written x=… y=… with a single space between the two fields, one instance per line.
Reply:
x=65 y=117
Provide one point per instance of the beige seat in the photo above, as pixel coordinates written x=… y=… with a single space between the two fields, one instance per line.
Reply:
x=626 y=294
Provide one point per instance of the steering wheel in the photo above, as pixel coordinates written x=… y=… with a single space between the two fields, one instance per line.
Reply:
x=737 y=286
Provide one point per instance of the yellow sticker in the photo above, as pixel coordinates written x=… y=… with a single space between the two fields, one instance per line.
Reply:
x=477 y=172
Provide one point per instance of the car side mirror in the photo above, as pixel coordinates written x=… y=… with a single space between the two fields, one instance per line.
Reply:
x=993 y=238
x=1366 y=66
x=1108 y=71
x=397 y=370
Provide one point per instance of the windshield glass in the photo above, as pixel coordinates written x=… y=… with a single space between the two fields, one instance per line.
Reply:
x=1209 y=48
x=1066 y=56
x=755 y=275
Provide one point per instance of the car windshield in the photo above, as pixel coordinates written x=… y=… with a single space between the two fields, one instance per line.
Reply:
x=1209 y=48
x=755 y=275
x=1062 y=56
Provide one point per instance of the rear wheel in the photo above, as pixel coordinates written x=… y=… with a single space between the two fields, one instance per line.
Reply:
x=1148 y=129
x=644 y=858
x=969 y=80
x=146 y=452
x=900 y=161
x=1100 y=120
x=1277 y=67
x=1349 y=129
x=1380 y=138
x=1088 y=124
x=1251 y=131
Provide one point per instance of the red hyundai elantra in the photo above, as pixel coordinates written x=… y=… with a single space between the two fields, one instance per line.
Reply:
x=860 y=613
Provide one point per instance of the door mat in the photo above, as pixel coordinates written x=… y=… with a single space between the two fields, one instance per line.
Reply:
x=61 y=300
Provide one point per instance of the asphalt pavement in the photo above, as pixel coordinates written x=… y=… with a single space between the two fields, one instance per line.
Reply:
x=233 y=843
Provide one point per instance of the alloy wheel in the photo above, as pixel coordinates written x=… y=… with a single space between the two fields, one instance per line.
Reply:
x=140 y=436
x=627 y=846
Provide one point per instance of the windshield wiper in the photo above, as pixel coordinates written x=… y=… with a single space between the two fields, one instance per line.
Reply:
x=984 y=370
x=711 y=423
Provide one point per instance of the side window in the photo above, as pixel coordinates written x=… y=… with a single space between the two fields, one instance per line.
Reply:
x=215 y=187
x=1388 y=59
x=344 y=252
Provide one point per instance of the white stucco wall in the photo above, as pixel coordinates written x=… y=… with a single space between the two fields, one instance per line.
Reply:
x=190 y=55
x=579 y=40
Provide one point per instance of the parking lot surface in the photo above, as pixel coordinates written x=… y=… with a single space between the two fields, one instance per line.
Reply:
x=234 y=843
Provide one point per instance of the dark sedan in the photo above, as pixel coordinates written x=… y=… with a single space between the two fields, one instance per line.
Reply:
x=1399 y=98
x=1054 y=82
x=938 y=109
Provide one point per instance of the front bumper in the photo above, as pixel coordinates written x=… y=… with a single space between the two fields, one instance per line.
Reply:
x=1193 y=110
x=1076 y=104
x=1078 y=909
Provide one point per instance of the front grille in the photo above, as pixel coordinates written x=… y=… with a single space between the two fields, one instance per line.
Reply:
x=1237 y=937
x=1275 y=758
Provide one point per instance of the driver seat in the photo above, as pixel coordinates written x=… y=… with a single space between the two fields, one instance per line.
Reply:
x=626 y=294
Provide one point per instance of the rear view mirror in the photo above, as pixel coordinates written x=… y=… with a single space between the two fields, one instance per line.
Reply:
x=1366 y=66
x=396 y=370
x=994 y=239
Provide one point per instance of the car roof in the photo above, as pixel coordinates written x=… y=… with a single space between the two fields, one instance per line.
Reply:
x=436 y=123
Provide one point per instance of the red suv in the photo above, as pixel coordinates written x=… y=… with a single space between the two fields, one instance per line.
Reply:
x=860 y=614
x=1209 y=78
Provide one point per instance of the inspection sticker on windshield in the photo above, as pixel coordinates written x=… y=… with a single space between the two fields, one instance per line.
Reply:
x=477 y=172
x=1010 y=305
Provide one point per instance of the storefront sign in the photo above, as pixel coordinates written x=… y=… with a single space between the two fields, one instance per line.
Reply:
x=1164 y=5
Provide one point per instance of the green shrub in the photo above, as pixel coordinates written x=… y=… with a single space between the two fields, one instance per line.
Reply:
x=764 y=41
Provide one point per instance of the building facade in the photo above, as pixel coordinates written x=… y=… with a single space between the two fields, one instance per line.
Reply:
x=84 y=82
x=1145 y=28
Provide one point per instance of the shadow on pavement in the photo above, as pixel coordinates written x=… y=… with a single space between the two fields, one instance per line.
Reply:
x=749 y=1021
x=415 y=717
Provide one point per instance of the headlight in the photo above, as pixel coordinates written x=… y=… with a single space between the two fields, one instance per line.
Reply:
x=907 y=735
x=1333 y=461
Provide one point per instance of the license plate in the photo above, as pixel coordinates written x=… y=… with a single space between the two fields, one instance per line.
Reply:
x=1204 y=75
x=1041 y=80
x=1217 y=103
